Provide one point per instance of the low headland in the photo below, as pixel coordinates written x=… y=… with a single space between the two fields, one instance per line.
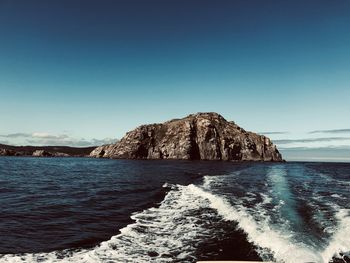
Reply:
x=45 y=151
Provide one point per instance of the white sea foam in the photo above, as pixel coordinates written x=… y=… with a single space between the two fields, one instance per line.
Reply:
x=340 y=242
x=162 y=234
x=278 y=240
x=262 y=234
x=338 y=196
x=211 y=181
x=266 y=199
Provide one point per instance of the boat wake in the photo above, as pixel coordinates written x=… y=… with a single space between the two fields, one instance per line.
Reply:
x=168 y=233
x=189 y=216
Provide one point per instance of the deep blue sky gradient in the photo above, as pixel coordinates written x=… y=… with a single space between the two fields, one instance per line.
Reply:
x=96 y=69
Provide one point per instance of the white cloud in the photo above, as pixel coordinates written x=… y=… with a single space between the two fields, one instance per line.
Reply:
x=4 y=141
x=315 y=142
x=339 y=153
x=336 y=131
x=48 y=139
x=45 y=135
x=16 y=135
x=273 y=132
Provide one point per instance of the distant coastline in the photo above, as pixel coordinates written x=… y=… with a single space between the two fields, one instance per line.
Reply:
x=45 y=151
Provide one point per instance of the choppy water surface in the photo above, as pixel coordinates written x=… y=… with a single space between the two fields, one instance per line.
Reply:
x=93 y=210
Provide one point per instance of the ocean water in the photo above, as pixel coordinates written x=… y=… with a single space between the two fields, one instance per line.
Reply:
x=100 y=210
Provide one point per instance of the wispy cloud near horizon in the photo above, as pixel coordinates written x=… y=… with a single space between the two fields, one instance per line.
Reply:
x=47 y=136
x=47 y=139
x=336 y=131
x=274 y=132
x=307 y=140
x=334 y=154
x=16 y=135
x=316 y=148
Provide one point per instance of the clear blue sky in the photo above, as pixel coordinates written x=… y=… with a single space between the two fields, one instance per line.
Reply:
x=88 y=70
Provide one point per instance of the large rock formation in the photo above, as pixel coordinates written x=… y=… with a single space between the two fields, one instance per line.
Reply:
x=201 y=136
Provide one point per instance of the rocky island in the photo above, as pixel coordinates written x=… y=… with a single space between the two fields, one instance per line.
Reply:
x=201 y=136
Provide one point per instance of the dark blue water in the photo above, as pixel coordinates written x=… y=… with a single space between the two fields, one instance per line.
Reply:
x=98 y=210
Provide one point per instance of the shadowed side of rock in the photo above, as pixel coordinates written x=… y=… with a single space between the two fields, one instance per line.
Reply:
x=201 y=136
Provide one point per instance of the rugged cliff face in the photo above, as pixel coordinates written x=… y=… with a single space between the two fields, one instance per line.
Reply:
x=201 y=136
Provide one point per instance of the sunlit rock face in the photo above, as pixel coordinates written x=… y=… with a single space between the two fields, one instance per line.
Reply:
x=201 y=136
x=43 y=153
x=7 y=152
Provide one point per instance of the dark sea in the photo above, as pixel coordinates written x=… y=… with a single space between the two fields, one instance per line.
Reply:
x=101 y=210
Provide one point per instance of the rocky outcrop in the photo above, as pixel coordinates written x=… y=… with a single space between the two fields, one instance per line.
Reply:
x=201 y=136
x=7 y=152
x=43 y=153
x=58 y=154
